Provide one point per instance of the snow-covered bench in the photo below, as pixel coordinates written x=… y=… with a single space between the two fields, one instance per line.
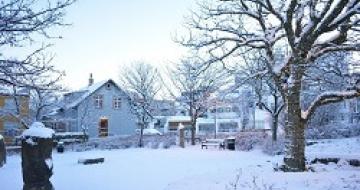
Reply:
x=213 y=142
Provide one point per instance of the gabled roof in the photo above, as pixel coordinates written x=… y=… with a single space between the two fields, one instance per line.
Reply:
x=89 y=90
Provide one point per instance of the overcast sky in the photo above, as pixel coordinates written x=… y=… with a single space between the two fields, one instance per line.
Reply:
x=107 y=34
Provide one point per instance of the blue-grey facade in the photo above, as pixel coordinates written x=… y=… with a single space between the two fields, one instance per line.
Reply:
x=96 y=107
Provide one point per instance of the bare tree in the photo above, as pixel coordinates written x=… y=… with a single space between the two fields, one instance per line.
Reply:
x=194 y=84
x=85 y=120
x=44 y=98
x=268 y=97
x=309 y=29
x=42 y=101
x=21 y=22
x=141 y=82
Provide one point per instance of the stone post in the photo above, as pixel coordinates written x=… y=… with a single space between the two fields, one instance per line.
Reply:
x=181 y=136
x=2 y=151
x=37 y=143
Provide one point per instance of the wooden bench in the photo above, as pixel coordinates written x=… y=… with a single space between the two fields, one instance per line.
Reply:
x=213 y=142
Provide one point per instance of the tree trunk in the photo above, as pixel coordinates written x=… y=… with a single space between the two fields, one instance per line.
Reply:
x=274 y=127
x=193 y=118
x=295 y=127
x=193 y=131
x=141 y=143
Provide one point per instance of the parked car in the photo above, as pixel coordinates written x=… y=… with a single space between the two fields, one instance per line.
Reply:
x=149 y=132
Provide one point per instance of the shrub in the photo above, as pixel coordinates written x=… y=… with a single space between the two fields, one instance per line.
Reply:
x=271 y=147
x=332 y=131
x=246 y=141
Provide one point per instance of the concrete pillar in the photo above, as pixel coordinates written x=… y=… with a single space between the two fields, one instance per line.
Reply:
x=181 y=136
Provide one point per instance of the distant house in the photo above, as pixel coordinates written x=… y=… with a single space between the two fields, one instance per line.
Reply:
x=163 y=108
x=100 y=109
x=231 y=113
x=14 y=107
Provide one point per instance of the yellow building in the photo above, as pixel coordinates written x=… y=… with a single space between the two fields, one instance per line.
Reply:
x=13 y=110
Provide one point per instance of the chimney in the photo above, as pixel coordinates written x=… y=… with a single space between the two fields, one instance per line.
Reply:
x=91 y=80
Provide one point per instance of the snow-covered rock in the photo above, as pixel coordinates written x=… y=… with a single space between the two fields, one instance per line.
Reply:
x=38 y=129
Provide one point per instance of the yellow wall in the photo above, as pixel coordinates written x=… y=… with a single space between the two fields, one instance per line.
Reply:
x=2 y=101
x=24 y=110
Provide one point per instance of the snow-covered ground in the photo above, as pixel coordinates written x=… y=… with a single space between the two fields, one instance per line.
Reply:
x=192 y=169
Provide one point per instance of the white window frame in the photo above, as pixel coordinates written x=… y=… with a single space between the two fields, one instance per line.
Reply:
x=116 y=102
x=99 y=101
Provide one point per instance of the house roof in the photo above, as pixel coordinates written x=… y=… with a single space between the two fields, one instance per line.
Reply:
x=8 y=90
x=89 y=90
x=178 y=118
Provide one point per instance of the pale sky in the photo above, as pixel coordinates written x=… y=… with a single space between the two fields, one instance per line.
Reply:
x=106 y=34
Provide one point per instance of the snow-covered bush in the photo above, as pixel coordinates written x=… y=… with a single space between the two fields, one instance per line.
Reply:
x=332 y=131
x=271 y=147
x=246 y=141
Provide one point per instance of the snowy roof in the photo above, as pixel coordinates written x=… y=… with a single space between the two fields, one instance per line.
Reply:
x=38 y=129
x=218 y=120
x=261 y=115
x=8 y=90
x=88 y=91
x=178 y=118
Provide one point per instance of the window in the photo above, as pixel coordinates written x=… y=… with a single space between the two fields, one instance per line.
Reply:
x=99 y=101
x=11 y=129
x=116 y=103
x=228 y=127
x=207 y=128
x=235 y=109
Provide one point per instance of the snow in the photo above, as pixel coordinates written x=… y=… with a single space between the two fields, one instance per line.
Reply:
x=328 y=95
x=181 y=126
x=178 y=118
x=340 y=148
x=151 y=132
x=328 y=37
x=49 y=162
x=62 y=134
x=88 y=91
x=278 y=67
x=191 y=169
x=30 y=142
x=8 y=90
x=38 y=129
x=1 y=137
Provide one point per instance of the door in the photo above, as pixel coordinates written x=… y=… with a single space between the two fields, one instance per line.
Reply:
x=103 y=127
